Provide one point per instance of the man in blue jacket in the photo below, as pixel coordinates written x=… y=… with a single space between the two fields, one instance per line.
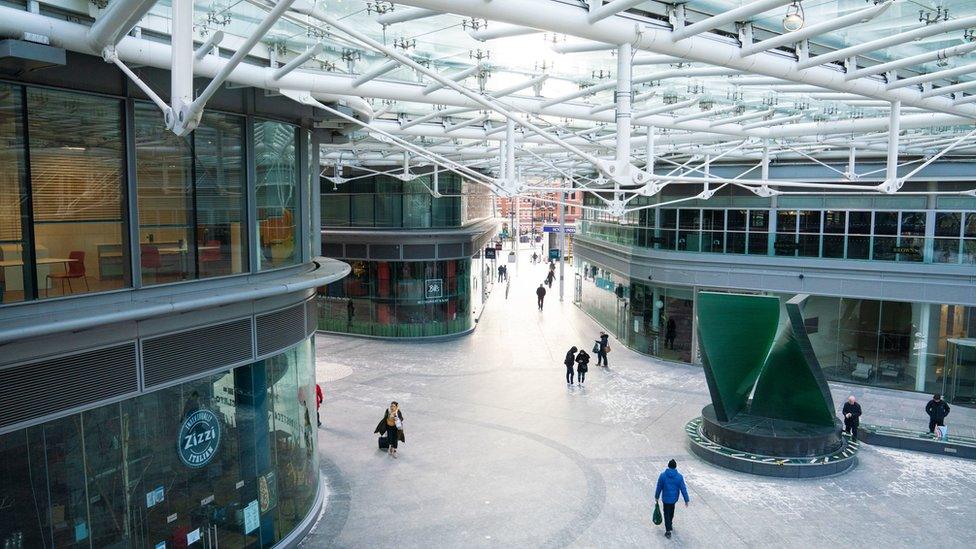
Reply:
x=670 y=484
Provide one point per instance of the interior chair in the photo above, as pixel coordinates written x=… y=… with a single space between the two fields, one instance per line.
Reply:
x=150 y=258
x=76 y=269
x=862 y=371
x=210 y=254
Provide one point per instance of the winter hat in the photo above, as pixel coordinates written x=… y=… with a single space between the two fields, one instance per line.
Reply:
x=672 y=464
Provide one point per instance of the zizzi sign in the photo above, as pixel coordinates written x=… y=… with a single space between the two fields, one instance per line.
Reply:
x=199 y=438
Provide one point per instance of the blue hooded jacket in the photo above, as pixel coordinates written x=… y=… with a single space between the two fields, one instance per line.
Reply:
x=670 y=483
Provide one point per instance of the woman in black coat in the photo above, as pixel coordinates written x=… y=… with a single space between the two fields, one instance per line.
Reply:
x=392 y=425
x=569 y=361
x=582 y=366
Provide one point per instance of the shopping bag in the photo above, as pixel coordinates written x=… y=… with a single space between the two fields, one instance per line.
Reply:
x=596 y=347
x=943 y=432
x=656 y=517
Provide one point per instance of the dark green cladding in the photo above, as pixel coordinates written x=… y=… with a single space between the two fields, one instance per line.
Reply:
x=736 y=333
x=742 y=350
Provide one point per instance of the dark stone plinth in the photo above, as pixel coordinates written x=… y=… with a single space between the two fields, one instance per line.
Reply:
x=770 y=466
x=771 y=437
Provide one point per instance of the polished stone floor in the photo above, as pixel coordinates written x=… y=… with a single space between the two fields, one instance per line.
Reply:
x=501 y=453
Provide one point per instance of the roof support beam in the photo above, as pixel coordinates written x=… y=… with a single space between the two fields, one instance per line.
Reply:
x=116 y=21
x=376 y=72
x=402 y=16
x=456 y=77
x=928 y=77
x=911 y=61
x=742 y=13
x=502 y=31
x=598 y=12
x=859 y=16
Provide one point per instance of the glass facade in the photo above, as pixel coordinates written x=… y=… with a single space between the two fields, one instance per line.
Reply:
x=400 y=299
x=65 y=193
x=118 y=475
x=276 y=189
x=904 y=235
x=382 y=201
x=190 y=197
x=910 y=346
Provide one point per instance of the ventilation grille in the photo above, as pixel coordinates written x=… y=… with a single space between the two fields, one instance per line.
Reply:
x=311 y=316
x=418 y=251
x=280 y=329
x=450 y=251
x=47 y=387
x=331 y=250
x=177 y=356
x=384 y=251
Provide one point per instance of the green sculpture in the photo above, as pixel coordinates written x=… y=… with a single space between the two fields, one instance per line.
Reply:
x=745 y=352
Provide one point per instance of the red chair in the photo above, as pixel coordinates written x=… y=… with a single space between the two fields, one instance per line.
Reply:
x=210 y=254
x=149 y=258
x=76 y=269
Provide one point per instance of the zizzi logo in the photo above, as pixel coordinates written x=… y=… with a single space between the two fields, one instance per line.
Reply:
x=199 y=438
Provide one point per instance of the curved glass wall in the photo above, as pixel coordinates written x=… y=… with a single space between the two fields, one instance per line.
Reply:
x=64 y=195
x=400 y=299
x=229 y=460
x=882 y=233
x=382 y=201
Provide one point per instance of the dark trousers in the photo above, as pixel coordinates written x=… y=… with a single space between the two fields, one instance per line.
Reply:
x=540 y=302
x=850 y=426
x=601 y=357
x=318 y=419
x=668 y=515
x=581 y=375
x=569 y=375
x=934 y=422
x=669 y=342
x=391 y=435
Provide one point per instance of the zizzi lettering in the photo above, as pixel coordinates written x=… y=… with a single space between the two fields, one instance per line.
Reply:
x=199 y=438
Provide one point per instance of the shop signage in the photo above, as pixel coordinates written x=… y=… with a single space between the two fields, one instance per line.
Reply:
x=555 y=229
x=490 y=252
x=251 y=517
x=435 y=288
x=908 y=250
x=785 y=246
x=554 y=253
x=199 y=438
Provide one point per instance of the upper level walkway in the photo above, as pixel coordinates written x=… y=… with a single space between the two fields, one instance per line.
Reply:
x=500 y=452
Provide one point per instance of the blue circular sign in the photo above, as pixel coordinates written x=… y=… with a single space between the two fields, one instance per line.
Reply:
x=199 y=438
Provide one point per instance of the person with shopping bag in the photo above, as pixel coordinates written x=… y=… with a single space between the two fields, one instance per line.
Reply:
x=670 y=484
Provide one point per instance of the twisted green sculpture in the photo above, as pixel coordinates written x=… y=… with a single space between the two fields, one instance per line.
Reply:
x=746 y=352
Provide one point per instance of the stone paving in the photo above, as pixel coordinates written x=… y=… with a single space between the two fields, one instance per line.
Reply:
x=500 y=452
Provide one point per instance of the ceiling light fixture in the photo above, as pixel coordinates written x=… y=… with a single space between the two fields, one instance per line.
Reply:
x=794 y=17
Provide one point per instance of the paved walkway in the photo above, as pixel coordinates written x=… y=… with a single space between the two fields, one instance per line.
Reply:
x=501 y=453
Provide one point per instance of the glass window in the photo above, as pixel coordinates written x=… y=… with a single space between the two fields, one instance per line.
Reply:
x=735 y=243
x=758 y=243
x=809 y=221
x=913 y=223
x=77 y=182
x=736 y=220
x=689 y=219
x=946 y=250
x=969 y=229
x=785 y=221
x=948 y=223
x=416 y=205
x=858 y=247
x=669 y=218
x=276 y=192
x=361 y=210
x=335 y=210
x=759 y=220
x=859 y=222
x=14 y=217
x=833 y=245
x=886 y=223
x=190 y=212
x=218 y=145
x=835 y=222
x=164 y=190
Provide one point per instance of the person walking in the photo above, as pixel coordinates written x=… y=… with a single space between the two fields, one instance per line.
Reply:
x=549 y=278
x=392 y=425
x=852 y=416
x=501 y=272
x=319 y=397
x=937 y=410
x=670 y=332
x=540 y=293
x=569 y=361
x=535 y=257
x=582 y=366
x=669 y=485
x=603 y=347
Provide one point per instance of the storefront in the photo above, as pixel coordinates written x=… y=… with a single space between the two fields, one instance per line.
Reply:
x=229 y=459
x=400 y=299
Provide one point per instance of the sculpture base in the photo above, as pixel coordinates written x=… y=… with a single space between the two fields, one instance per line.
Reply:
x=774 y=437
x=768 y=465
